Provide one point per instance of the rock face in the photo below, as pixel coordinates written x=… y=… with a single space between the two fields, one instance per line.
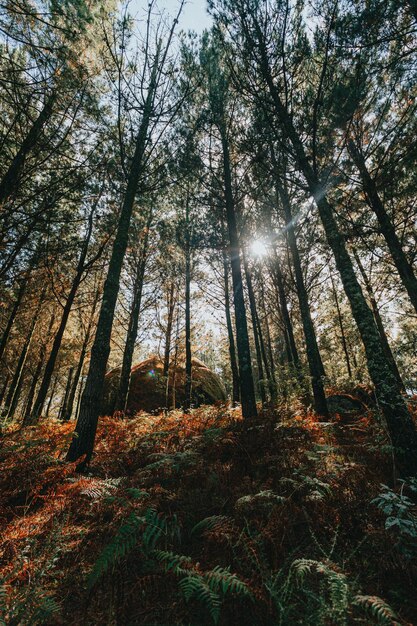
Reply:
x=365 y=394
x=148 y=387
x=346 y=406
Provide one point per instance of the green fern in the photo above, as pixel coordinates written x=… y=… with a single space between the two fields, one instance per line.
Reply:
x=47 y=608
x=380 y=610
x=3 y=605
x=177 y=563
x=137 y=494
x=122 y=543
x=176 y=461
x=338 y=587
x=212 y=434
x=196 y=586
x=32 y=607
x=301 y=567
x=221 y=579
x=209 y=588
x=156 y=525
x=125 y=540
x=339 y=594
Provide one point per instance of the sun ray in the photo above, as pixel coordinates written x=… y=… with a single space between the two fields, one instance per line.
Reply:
x=258 y=248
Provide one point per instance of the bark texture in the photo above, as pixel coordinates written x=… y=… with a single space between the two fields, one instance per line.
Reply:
x=132 y=331
x=247 y=390
x=404 y=268
x=85 y=430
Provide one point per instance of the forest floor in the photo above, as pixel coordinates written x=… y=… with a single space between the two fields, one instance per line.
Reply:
x=205 y=519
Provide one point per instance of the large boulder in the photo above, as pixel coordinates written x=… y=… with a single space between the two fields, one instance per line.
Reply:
x=148 y=387
x=365 y=394
x=347 y=407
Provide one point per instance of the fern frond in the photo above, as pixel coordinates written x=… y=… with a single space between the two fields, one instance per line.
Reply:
x=122 y=543
x=195 y=586
x=137 y=494
x=176 y=461
x=301 y=567
x=153 y=525
x=339 y=593
x=96 y=488
x=156 y=525
x=209 y=588
x=221 y=579
x=337 y=584
x=211 y=523
x=176 y=563
x=380 y=610
x=42 y=614
x=265 y=499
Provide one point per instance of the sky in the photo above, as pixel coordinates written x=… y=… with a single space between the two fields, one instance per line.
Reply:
x=194 y=14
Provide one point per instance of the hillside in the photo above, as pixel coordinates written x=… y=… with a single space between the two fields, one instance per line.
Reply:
x=206 y=519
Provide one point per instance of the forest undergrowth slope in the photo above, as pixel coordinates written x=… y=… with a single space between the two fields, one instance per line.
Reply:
x=206 y=519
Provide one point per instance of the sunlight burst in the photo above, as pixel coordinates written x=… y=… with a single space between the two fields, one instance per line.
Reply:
x=259 y=248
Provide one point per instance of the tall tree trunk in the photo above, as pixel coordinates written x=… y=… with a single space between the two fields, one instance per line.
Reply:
x=188 y=363
x=85 y=430
x=378 y=320
x=66 y=416
x=51 y=395
x=175 y=364
x=399 y=421
x=252 y=306
x=3 y=389
x=13 y=394
x=313 y=354
x=247 y=390
x=132 y=331
x=37 y=373
x=68 y=386
x=268 y=371
x=12 y=317
x=402 y=264
x=400 y=424
x=168 y=333
x=10 y=182
x=289 y=338
x=50 y=364
x=8 y=262
x=342 y=329
x=168 y=338
x=268 y=355
x=70 y=404
x=232 y=348
x=21 y=242
x=278 y=282
x=80 y=395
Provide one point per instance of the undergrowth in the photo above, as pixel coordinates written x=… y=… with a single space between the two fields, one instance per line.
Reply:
x=203 y=519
